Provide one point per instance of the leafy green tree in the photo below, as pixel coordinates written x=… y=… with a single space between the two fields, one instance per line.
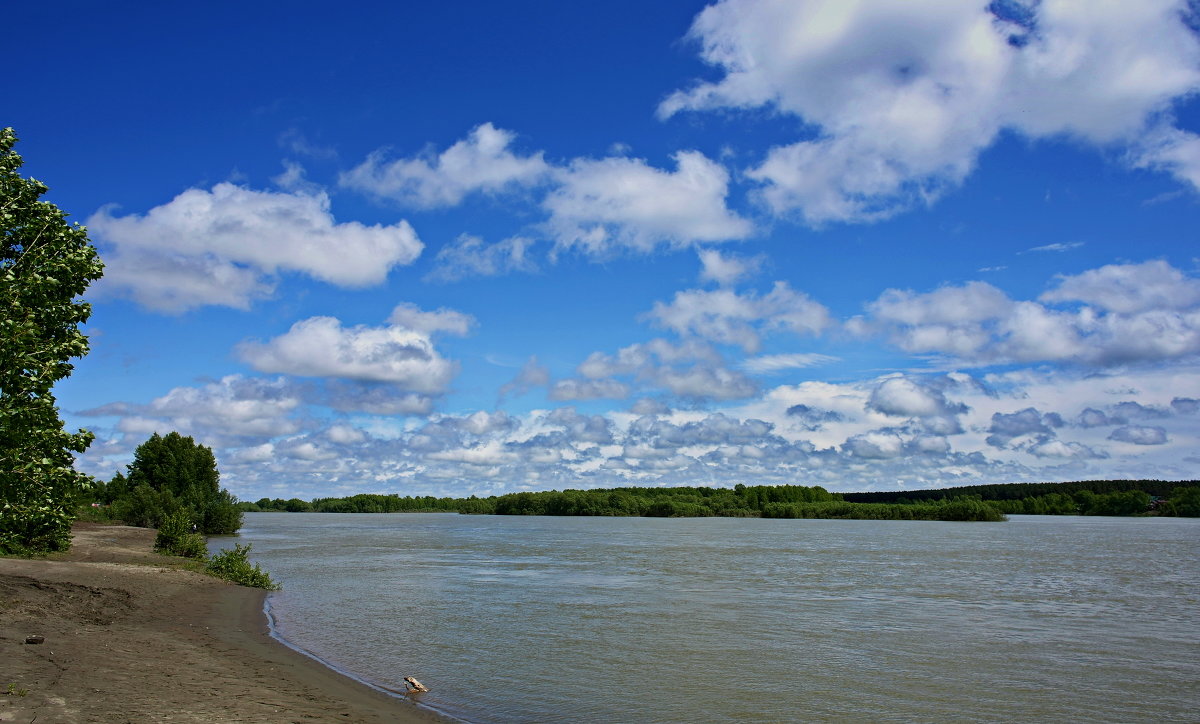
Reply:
x=45 y=264
x=176 y=473
x=1185 y=502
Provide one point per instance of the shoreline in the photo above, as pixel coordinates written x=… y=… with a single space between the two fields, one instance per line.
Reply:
x=132 y=637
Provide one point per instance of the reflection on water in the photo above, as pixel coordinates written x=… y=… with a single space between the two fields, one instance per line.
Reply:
x=514 y=619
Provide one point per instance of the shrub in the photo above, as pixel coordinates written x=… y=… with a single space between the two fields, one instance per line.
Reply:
x=234 y=565
x=145 y=507
x=1186 y=502
x=175 y=537
x=967 y=509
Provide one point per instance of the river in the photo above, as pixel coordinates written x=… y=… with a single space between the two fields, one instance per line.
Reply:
x=545 y=619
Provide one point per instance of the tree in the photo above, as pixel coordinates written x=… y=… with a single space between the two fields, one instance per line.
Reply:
x=1186 y=502
x=171 y=473
x=45 y=264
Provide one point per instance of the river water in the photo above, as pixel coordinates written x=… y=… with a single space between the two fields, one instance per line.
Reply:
x=545 y=619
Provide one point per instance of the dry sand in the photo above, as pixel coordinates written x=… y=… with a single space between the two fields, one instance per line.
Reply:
x=129 y=637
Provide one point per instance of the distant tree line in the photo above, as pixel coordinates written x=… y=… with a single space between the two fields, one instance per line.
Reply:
x=1085 y=497
x=976 y=502
x=362 y=503
x=1020 y=491
x=744 y=501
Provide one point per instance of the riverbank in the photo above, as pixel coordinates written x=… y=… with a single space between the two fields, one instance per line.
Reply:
x=128 y=637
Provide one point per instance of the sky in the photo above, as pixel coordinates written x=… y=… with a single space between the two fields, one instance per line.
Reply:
x=470 y=248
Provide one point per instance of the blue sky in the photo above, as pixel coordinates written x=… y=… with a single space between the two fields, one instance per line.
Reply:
x=473 y=248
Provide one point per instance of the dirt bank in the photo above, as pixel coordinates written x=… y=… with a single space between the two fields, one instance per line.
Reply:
x=129 y=637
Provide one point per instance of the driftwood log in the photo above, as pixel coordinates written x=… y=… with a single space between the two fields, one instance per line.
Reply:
x=412 y=684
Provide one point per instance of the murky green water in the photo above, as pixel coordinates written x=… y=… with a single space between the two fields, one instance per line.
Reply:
x=1041 y=619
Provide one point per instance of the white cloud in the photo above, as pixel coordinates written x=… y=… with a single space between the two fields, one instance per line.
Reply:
x=727 y=317
x=948 y=306
x=321 y=347
x=816 y=432
x=1140 y=435
x=226 y=247
x=638 y=358
x=1172 y=150
x=294 y=140
x=1061 y=246
x=234 y=406
x=1007 y=427
x=727 y=269
x=345 y=435
x=373 y=398
x=491 y=453
x=603 y=205
x=905 y=94
x=1129 y=288
x=1128 y=313
x=482 y=162
x=879 y=444
x=770 y=364
x=531 y=375
x=904 y=397
x=705 y=382
x=600 y=206
x=469 y=256
x=691 y=369
x=410 y=316
x=1055 y=448
x=570 y=389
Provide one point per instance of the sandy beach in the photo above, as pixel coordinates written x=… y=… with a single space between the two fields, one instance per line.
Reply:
x=128 y=637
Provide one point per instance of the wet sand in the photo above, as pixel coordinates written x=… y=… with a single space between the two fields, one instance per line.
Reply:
x=131 y=637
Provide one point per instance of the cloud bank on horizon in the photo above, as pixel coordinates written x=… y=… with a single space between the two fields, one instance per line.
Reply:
x=866 y=245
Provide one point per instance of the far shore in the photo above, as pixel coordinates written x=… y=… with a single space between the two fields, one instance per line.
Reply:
x=129 y=636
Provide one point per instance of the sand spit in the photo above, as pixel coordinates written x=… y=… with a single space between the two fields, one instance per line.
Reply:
x=129 y=638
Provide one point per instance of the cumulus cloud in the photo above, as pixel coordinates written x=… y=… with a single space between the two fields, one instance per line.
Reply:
x=1129 y=288
x=904 y=96
x=599 y=206
x=727 y=269
x=1091 y=417
x=1171 y=150
x=1133 y=410
x=226 y=246
x=345 y=435
x=393 y=354
x=691 y=369
x=573 y=389
x=373 y=398
x=410 y=316
x=904 y=397
x=647 y=406
x=1185 y=405
x=727 y=317
x=1049 y=447
x=234 y=406
x=603 y=205
x=469 y=256
x=814 y=416
x=593 y=429
x=1140 y=435
x=877 y=444
x=1116 y=314
x=482 y=162
x=705 y=382
x=641 y=358
x=1006 y=427
x=815 y=432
